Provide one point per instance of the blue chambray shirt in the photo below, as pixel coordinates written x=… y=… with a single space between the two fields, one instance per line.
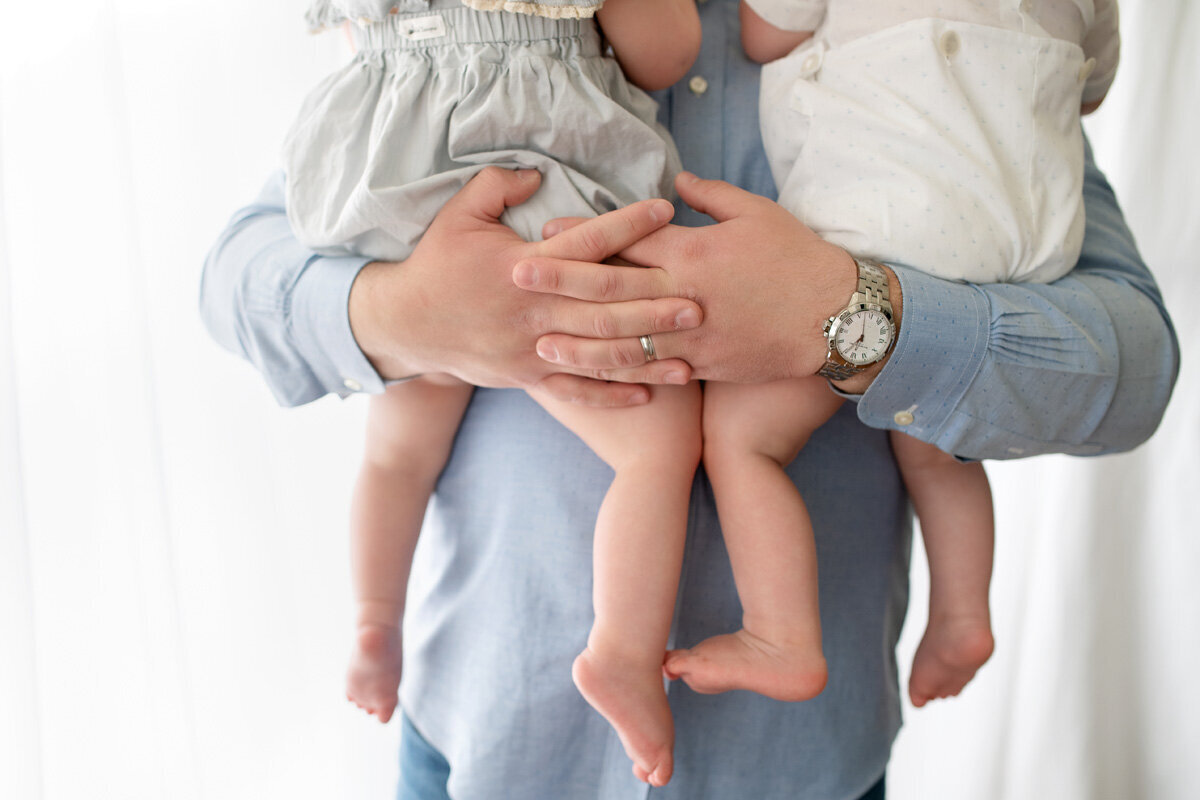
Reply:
x=501 y=598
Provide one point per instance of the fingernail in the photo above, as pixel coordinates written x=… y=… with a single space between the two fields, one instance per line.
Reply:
x=687 y=177
x=688 y=318
x=547 y=351
x=675 y=377
x=527 y=174
x=661 y=211
x=551 y=229
x=525 y=274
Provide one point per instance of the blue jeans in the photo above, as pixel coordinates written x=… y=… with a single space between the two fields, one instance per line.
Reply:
x=424 y=771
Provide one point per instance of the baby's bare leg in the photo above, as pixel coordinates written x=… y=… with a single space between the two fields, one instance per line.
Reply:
x=654 y=450
x=751 y=433
x=954 y=503
x=410 y=429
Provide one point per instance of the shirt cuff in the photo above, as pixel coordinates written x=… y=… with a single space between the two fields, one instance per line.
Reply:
x=319 y=325
x=940 y=348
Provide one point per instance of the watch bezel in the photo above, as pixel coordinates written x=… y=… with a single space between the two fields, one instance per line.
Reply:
x=843 y=319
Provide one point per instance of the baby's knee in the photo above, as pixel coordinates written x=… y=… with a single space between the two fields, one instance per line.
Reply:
x=680 y=446
x=732 y=442
x=915 y=455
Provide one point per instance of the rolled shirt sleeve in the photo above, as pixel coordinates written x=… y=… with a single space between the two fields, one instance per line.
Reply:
x=1084 y=365
x=283 y=308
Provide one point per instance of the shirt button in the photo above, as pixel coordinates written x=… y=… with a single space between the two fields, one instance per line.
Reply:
x=698 y=85
x=352 y=385
x=363 y=21
x=903 y=418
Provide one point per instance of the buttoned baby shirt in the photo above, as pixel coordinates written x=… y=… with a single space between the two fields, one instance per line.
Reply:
x=939 y=133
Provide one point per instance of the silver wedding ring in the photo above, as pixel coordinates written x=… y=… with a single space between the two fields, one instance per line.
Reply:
x=648 y=347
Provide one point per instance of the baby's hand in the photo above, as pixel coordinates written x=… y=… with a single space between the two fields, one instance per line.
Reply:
x=373 y=678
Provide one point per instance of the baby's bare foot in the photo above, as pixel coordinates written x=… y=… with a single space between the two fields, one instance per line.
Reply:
x=950 y=652
x=373 y=678
x=744 y=661
x=632 y=698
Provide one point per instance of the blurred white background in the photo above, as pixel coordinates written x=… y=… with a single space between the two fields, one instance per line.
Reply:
x=174 y=597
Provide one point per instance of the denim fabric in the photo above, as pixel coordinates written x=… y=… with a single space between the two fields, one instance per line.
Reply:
x=423 y=770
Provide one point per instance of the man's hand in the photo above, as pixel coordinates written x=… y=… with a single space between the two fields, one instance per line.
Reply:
x=452 y=306
x=766 y=283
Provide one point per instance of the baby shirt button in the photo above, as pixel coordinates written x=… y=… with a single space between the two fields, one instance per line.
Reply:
x=698 y=85
x=903 y=418
x=949 y=44
x=1086 y=70
x=352 y=385
x=811 y=63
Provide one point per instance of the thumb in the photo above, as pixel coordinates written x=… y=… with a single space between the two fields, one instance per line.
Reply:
x=720 y=200
x=494 y=189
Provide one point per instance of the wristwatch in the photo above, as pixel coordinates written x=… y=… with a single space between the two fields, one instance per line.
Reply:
x=862 y=333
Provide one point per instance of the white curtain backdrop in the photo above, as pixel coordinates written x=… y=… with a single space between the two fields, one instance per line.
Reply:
x=174 y=600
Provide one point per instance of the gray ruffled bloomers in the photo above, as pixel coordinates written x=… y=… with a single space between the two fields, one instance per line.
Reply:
x=434 y=96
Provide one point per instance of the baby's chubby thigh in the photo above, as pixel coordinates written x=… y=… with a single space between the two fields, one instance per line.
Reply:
x=772 y=419
x=664 y=431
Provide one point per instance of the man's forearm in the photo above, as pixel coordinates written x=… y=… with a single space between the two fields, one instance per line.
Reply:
x=272 y=301
x=1084 y=365
x=449 y=307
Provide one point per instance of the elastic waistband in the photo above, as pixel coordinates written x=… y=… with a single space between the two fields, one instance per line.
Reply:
x=462 y=25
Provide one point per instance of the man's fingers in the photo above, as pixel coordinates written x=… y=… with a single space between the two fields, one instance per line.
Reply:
x=594 y=393
x=632 y=318
x=599 y=283
x=597 y=239
x=671 y=371
x=612 y=359
x=666 y=245
x=494 y=189
x=556 y=226
x=720 y=200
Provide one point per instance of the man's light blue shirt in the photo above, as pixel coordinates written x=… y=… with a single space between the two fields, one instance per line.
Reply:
x=501 y=601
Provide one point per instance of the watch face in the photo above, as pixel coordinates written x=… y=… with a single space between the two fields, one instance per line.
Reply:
x=863 y=336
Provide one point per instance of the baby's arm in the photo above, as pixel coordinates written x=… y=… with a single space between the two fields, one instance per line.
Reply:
x=764 y=41
x=655 y=41
x=1102 y=47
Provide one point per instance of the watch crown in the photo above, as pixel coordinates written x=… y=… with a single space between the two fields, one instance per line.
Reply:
x=828 y=324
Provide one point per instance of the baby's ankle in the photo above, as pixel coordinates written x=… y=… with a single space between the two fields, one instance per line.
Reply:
x=782 y=632
x=620 y=652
